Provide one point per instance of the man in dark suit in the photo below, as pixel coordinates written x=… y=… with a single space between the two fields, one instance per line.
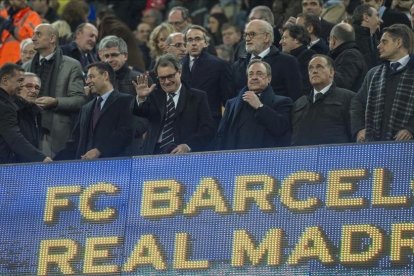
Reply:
x=256 y=118
x=104 y=127
x=349 y=63
x=179 y=117
x=286 y=77
x=207 y=73
x=82 y=48
x=323 y=116
x=12 y=141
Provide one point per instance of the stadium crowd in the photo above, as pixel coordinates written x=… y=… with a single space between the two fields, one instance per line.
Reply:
x=93 y=79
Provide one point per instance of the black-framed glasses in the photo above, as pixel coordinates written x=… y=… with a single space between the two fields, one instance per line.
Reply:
x=251 y=35
x=32 y=86
x=167 y=77
x=177 y=45
x=176 y=23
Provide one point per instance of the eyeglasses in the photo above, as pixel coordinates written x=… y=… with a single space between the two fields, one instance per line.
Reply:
x=177 y=45
x=32 y=86
x=251 y=35
x=167 y=77
x=196 y=39
x=177 y=23
x=113 y=55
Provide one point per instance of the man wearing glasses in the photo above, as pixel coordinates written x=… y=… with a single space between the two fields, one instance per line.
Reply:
x=12 y=142
x=176 y=45
x=179 y=116
x=286 y=77
x=28 y=112
x=206 y=72
x=180 y=18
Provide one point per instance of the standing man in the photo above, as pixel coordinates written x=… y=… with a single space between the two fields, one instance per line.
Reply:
x=61 y=94
x=206 y=72
x=104 y=127
x=259 y=38
x=28 y=112
x=323 y=116
x=19 y=25
x=176 y=45
x=295 y=40
x=83 y=47
x=179 y=116
x=114 y=51
x=12 y=141
x=257 y=117
x=180 y=18
x=366 y=23
x=350 y=66
x=383 y=110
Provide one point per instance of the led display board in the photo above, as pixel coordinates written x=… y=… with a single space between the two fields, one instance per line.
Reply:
x=293 y=211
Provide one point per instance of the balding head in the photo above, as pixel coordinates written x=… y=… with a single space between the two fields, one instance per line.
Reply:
x=341 y=33
x=45 y=39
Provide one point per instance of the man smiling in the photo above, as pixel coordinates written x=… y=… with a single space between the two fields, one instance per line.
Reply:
x=180 y=120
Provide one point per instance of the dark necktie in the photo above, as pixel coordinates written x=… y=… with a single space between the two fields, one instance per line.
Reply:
x=96 y=111
x=167 y=136
x=256 y=57
x=43 y=61
x=394 y=66
x=318 y=96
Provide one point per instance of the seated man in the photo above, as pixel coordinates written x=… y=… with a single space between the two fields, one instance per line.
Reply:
x=179 y=117
x=257 y=117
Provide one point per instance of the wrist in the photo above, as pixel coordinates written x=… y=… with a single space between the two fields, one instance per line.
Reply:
x=260 y=106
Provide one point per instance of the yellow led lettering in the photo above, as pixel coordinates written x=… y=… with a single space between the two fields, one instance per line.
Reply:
x=351 y=242
x=182 y=250
x=400 y=240
x=86 y=202
x=207 y=195
x=160 y=198
x=245 y=192
x=59 y=253
x=244 y=245
x=313 y=244
x=342 y=182
x=55 y=201
x=146 y=252
x=98 y=250
x=381 y=187
x=287 y=192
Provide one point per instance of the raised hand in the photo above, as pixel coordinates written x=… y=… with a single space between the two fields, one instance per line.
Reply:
x=141 y=86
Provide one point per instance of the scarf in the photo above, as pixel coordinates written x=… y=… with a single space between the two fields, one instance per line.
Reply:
x=402 y=108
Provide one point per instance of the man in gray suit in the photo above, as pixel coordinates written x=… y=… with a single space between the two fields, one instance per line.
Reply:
x=61 y=95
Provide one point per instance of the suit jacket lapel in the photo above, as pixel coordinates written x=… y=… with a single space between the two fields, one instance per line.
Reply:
x=182 y=100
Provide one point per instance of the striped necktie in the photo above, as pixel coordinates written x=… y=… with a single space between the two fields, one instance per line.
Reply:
x=167 y=136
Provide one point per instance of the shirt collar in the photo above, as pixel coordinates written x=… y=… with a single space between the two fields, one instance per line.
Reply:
x=264 y=53
x=48 y=57
x=323 y=90
x=106 y=95
x=403 y=61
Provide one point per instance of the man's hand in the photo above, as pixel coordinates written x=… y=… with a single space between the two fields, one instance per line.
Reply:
x=46 y=102
x=182 y=148
x=47 y=159
x=252 y=99
x=141 y=86
x=91 y=154
x=87 y=90
x=403 y=135
x=361 y=135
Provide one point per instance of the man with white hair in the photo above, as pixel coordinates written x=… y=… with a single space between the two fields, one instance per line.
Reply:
x=286 y=76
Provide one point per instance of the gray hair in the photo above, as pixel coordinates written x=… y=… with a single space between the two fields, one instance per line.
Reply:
x=113 y=41
x=266 y=65
x=167 y=60
x=30 y=74
x=25 y=42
